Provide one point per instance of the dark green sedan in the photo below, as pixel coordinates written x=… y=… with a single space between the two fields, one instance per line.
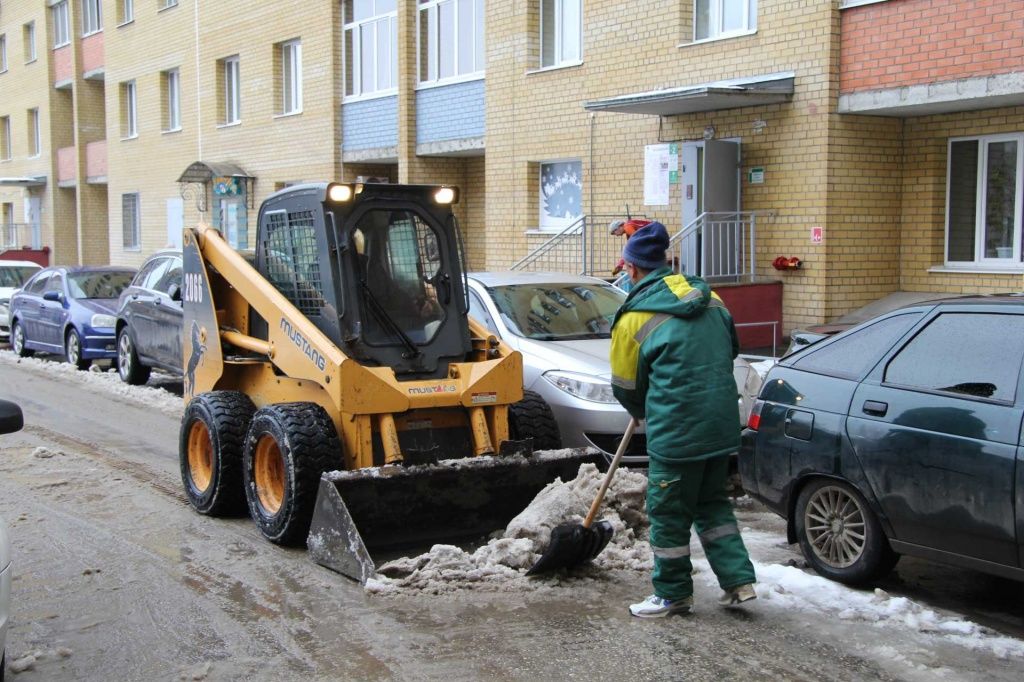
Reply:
x=899 y=436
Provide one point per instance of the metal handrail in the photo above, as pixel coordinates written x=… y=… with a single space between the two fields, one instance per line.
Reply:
x=551 y=243
x=20 y=235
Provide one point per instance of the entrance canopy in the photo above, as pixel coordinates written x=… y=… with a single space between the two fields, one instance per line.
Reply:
x=728 y=94
x=202 y=174
x=39 y=181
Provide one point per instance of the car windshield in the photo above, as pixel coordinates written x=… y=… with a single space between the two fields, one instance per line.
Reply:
x=98 y=284
x=558 y=312
x=15 y=275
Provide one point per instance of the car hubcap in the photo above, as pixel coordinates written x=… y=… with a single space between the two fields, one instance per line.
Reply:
x=268 y=471
x=835 y=527
x=72 y=348
x=200 y=456
x=124 y=355
x=19 y=339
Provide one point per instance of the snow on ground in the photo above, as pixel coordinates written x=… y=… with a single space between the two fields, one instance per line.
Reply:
x=501 y=565
x=106 y=380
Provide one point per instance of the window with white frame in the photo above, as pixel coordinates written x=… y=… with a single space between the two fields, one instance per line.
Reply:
x=291 y=76
x=28 y=34
x=231 y=98
x=164 y=4
x=126 y=11
x=131 y=233
x=371 y=47
x=561 y=193
x=61 y=34
x=5 y=138
x=172 y=100
x=984 y=200
x=723 y=18
x=3 y=52
x=451 y=39
x=92 y=17
x=35 y=139
x=561 y=31
x=129 y=110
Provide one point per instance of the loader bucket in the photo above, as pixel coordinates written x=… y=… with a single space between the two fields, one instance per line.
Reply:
x=359 y=512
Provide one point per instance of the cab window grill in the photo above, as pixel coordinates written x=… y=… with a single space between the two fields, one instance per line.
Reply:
x=290 y=259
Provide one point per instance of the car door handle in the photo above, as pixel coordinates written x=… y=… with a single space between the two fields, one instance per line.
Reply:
x=875 y=408
x=135 y=297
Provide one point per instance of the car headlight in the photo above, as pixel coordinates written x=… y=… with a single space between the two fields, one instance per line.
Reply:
x=582 y=386
x=103 y=321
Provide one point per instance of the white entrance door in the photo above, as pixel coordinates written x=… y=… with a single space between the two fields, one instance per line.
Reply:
x=32 y=210
x=710 y=184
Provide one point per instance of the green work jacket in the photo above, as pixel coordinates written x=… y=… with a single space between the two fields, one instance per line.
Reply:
x=673 y=343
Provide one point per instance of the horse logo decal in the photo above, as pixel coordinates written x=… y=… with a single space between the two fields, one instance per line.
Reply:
x=196 y=357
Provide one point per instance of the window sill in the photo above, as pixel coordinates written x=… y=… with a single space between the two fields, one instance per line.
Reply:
x=381 y=94
x=556 y=67
x=32 y=61
x=233 y=124
x=543 y=231
x=128 y=138
x=453 y=80
x=3 y=71
x=126 y=23
x=288 y=114
x=171 y=131
x=34 y=156
x=847 y=4
x=167 y=7
x=131 y=249
x=715 y=39
x=975 y=269
x=57 y=47
x=86 y=35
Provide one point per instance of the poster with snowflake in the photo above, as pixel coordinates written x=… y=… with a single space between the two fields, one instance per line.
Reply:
x=561 y=194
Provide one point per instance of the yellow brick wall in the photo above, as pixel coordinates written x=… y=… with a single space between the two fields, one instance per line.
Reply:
x=268 y=146
x=924 y=200
x=535 y=115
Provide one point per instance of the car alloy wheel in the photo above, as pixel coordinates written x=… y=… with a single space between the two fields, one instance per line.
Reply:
x=18 y=338
x=74 y=349
x=124 y=356
x=835 y=527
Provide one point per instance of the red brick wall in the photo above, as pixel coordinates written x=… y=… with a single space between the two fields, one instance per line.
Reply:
x=96 y=159
x=65 y=164
x=92 y=52
x=910 y=42
x=62 y=68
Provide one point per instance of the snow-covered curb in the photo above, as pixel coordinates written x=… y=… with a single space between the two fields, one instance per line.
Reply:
x=107 y=381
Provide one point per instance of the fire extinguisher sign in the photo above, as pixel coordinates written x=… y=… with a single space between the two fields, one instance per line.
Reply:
x=817 y=234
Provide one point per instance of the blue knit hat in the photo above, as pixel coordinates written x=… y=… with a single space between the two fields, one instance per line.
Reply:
x=646 y=248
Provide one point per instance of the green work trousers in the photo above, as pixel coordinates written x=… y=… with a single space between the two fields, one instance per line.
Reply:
x=680 y=495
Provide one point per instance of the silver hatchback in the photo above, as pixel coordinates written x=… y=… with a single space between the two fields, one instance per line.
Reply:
x=562 y=325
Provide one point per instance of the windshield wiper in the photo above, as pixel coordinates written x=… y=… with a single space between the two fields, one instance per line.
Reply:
x=388 y=323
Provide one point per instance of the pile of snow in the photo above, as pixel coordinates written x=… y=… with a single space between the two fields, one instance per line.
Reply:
x=791 y=589
x=501 y=564
x=107 y=381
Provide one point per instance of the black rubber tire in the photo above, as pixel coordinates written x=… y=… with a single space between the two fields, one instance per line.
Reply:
x=226 y=416
x=531 y=417
x=18 y=340
x=73 y=349
x=876 y=558
x=129 y=367
x=308 y=445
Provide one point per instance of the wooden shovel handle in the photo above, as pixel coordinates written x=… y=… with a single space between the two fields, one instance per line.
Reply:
x=626 y=437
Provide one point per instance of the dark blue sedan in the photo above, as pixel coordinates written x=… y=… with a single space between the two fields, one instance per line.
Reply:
x=902 y=435
x=69 y=310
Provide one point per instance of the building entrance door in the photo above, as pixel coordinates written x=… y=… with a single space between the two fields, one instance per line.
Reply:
x=711 y=184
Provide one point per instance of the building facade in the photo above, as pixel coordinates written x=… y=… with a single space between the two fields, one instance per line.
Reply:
x=878 y=142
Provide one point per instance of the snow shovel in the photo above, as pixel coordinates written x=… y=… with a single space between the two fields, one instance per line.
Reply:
x=572 y=543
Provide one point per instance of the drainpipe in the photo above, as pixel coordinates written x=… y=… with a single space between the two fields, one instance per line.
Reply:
x=199 y=99
x=590 y=210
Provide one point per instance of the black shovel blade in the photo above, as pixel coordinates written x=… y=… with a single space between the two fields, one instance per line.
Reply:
x=572 y=545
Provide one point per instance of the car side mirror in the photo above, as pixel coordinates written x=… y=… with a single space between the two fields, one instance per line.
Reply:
x=52 y=296
x=174 y=291
x=11 y=419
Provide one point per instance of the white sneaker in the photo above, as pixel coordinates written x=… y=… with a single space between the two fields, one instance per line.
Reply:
x=738 y=595
x=656 y=607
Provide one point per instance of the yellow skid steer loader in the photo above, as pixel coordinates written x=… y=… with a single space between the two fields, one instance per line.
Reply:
x=338 y=389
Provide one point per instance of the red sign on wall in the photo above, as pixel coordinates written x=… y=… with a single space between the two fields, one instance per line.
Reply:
x=817 y=235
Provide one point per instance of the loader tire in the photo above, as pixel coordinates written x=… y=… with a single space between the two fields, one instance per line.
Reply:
x=210 y=447
x=531 y=417
x=288 y=447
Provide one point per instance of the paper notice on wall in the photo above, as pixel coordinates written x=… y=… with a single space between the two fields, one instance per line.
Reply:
x=657 y=161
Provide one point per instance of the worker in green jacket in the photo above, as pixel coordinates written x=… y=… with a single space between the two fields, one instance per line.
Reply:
x=673 y=344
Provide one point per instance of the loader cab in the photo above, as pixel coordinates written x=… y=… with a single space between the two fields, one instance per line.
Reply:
x=377 y=268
